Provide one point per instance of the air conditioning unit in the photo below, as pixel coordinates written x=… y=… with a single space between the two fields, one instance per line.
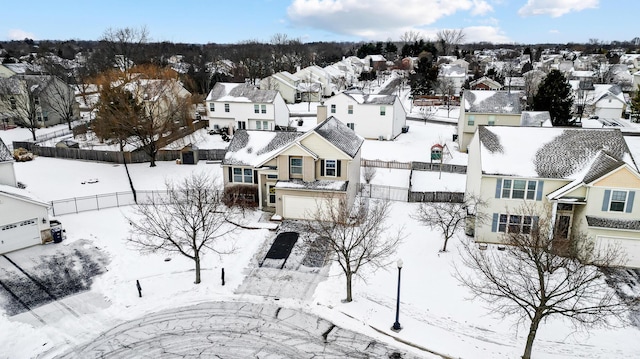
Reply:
x=380 y=138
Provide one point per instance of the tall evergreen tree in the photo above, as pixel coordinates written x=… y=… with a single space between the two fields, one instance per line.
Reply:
x=554 y=95
x=635 y=106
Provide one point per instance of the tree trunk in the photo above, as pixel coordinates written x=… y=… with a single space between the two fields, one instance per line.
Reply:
x=349 y=298
x=533 y=330
x=197 y=260
x=33 y=133
x=444 y=247
x=126 y=168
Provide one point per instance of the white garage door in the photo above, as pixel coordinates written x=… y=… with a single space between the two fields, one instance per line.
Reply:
x=19 y=235
x=298 y=207
x=628 y=247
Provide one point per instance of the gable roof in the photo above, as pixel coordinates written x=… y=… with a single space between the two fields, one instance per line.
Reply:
x=571 y=154
x=21 y=194
x=339 y=135
x=252 y=148
x=487 y=101
x=240 y=92
x=5 y=154
x=534 y=118
x=370 y=99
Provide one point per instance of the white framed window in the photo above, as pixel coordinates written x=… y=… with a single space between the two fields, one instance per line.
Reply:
x=492 y=120
x=263 y=108
x=471 y=120
x=256 y=108
x=262 y=125
x=333 y=108
x=242 y=175
x=242 y=125
x=212 y=107
x=383 y=110
x=295 y=165
x=330 y=167
x=350 y=109
x=515 y=223
x=351 y=125
x=258 y=125
x=519 y=189
x=618 y=201
x=226 y=107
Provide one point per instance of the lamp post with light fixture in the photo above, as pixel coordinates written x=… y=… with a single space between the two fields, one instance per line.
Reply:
x=396 y=326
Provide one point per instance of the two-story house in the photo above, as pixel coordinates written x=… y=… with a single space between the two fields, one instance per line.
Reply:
x=293 y=173
x=240 y=106
x=371 y=116
x=284 y=82
x=585 y=180
x=499 y=108
x=44 y=100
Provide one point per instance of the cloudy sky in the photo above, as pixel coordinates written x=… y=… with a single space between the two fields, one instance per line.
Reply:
x=193 y=21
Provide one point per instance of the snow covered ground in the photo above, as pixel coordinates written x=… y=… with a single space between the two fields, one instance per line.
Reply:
x=437 y=314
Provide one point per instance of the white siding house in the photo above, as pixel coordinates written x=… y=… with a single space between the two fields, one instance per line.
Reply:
x=370 y=116
x=244 y=107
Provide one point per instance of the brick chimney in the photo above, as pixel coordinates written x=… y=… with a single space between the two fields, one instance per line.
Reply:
x=322 y=113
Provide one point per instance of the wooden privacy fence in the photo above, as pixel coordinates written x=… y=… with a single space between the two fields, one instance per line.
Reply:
x=384 y=192
x=417 y=166
x=451 y=197
x=435 y=167
x=114 y=156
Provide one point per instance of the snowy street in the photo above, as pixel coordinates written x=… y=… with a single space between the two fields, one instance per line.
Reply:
x=232 y=330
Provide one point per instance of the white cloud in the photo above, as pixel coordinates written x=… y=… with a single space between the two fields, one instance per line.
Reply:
x=485 y=34
x=17 y=34
x=555 y=8
x=553 y=31
x=377 y=19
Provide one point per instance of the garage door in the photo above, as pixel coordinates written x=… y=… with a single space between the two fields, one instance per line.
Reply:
x=298 y=207
x=629 y=247
x=19 y=235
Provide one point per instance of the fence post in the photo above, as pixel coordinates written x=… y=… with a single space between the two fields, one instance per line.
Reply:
x=75 y=201
x=97 y=203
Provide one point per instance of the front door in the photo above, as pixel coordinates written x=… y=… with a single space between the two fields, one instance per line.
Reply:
x=562 y=227
x=271 y=194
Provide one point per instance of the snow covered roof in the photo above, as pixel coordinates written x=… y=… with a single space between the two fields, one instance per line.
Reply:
x=240 y=92
x=319 y=185
x=251 y=148
x=534 y=118
x=628 y=224
x=5 y=154
x=341 y=136
x=487 y=101
x=601 y=91
x=21 y=194
x=447 y=70
x=556 y=152
x=370 y=99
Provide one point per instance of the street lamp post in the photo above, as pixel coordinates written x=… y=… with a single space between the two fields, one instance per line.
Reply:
x=396 y=326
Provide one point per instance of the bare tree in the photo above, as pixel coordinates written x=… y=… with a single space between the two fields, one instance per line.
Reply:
x=61 y=101
x=410 y=36
x=534 y=278
x=446 y=88
x=20 y=101
x=123 y=45
x=358 y=236
x=448 y=39
x=368 y=173
x=532 y=80
x=448 y=217
x=189 y=220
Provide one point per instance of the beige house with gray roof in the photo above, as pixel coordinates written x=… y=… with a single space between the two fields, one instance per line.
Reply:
x=293 y=173
x=585 y=179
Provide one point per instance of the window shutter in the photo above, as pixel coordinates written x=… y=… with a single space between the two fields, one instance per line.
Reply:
x=630 y=201
x=255 y=176
x=539 y=191
x=321 y=167
x=230 y=174
x=494 y=223
x=498 y=187
x=338 y=167
x=605 y=201
x=534 y=222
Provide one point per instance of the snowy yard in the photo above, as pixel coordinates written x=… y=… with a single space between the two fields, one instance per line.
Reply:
x=436 y=313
